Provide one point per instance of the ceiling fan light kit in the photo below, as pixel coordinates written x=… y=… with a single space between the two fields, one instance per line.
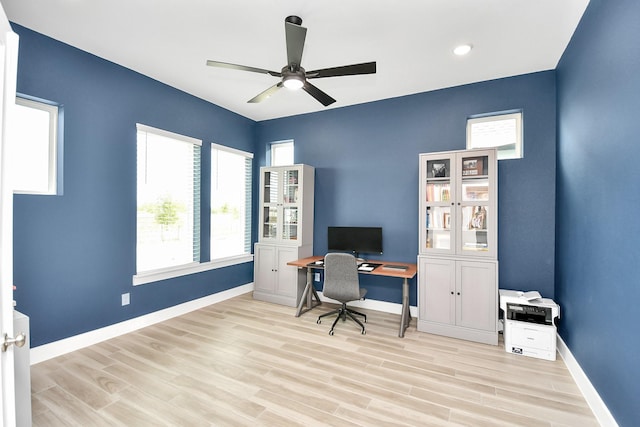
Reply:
x=293 y=80
x=292 y=75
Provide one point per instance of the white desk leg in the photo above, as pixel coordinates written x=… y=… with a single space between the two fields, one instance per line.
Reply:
x=405 y=317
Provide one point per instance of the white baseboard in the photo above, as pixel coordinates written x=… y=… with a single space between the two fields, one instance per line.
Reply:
x=76 y=342
x=589 y=392
x=371 y=304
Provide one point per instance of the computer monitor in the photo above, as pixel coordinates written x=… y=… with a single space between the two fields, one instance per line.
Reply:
x=357 y=240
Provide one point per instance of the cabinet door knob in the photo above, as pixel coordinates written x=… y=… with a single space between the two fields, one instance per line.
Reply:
x=458 y=293
x=451 y=292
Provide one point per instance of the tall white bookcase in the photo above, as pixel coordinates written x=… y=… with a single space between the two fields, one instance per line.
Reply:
x=285 y=232
x=457 y=260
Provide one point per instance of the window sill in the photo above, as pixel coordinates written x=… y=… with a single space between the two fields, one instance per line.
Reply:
x=183 y=270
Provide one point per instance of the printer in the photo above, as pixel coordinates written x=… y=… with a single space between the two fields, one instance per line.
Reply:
x=529 y=324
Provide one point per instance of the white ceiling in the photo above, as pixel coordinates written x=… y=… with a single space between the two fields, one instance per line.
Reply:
x=411 y=40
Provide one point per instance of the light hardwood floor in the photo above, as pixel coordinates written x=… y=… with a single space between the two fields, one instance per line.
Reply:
x=243 y=362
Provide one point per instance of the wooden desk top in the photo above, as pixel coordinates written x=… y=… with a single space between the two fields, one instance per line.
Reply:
x=409 y=273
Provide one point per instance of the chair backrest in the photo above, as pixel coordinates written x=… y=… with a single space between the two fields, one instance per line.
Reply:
x=341 y=277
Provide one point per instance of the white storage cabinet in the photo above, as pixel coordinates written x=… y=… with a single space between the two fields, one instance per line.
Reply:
x=457 y=261
x=285 y=232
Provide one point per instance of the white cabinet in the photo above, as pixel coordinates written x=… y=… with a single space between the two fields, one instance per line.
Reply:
x=286 y=205
x=274 y=280
x=457 y=262
x=458 y=298
x=285 y=232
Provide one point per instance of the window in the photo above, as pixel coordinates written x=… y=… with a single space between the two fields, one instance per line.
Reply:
x=35 y=127
x=282 y=153
x=230 y=202
x=503 y=131
x=168 y=200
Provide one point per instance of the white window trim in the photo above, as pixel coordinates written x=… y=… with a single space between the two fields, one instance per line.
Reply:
x=191 y=268
x=231 y=150
x=52 y=109
x=167 y=134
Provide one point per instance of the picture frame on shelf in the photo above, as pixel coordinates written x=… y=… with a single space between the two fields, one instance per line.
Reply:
x=472 y=166
x=446 y=221
x=438 y=170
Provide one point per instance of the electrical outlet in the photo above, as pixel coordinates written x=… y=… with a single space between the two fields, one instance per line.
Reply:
x=126 y=299
x=317 y=278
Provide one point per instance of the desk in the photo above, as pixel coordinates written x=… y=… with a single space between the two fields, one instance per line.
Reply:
x=310 y=293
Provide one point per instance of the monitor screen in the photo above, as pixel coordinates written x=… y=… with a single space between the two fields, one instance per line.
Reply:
x=355 y=239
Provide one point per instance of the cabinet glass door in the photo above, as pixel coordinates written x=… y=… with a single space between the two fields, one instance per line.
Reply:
x=270 y=226
x=290 y=186
x=290 y=228
x=270 y=208
x=438 y=227
x=475 y=199
x=270 y=187
x=438 y=215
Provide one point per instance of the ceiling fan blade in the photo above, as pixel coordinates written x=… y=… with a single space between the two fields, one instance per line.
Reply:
x=319 y=95
x=265 y=94
x=295 y=35
x=347 y=70
x=242 y=68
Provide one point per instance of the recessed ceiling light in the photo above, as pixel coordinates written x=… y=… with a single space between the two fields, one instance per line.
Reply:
x=463 y=49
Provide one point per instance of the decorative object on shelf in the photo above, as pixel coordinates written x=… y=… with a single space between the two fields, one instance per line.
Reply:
x=446 y=220
x=472 y=167
x=438 y=170
x=478 y=219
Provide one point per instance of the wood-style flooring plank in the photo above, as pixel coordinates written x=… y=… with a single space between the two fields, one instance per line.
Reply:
x=243 y=362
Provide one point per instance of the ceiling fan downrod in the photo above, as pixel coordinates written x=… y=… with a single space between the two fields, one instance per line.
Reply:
x=293 y=19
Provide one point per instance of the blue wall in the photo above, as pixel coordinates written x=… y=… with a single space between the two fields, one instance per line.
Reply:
x=366 y=160
x=75 y=253
x=597 y=270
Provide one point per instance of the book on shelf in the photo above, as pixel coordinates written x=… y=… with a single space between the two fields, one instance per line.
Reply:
x=438 y=192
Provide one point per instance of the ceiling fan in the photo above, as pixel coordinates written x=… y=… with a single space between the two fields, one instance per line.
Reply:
x=293 y=75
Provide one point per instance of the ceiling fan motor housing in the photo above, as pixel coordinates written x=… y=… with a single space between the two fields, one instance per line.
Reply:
x=293 y=78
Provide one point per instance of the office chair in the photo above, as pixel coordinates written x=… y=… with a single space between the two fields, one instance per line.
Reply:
x=341 y=283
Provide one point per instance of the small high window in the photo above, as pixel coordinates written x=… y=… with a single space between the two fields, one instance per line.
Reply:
x=282 y=153
x=35 y=148
x=500 y=130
